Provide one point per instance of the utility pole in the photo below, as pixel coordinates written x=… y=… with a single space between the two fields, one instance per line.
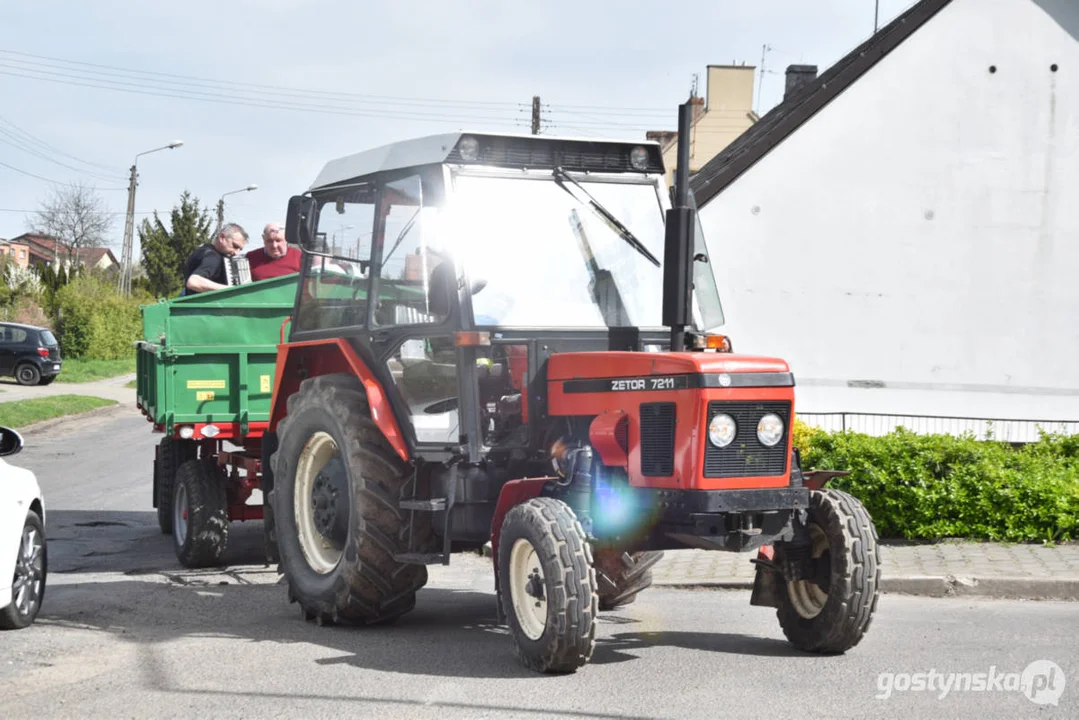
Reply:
x=129 y=231
x=535 y=114
x=123 y=284
x=876 y=16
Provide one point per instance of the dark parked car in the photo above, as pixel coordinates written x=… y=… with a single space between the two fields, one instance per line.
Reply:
x=29 y=354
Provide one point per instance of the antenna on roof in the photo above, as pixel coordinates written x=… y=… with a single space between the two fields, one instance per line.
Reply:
x=693 y=88
x=760 y=83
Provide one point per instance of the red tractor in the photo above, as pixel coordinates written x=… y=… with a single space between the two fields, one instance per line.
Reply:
x=487 y=348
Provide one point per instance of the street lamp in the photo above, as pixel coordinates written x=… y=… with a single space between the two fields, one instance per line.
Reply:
x=124 y=283
x=221 y=204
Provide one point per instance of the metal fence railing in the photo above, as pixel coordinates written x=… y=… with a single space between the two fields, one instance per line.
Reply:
x=876 y=424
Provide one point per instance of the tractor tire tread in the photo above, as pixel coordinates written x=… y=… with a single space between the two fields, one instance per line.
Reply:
x=560 y=541
x=369 y=586
x=855 y=580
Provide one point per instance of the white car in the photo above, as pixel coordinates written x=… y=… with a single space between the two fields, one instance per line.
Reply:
x=23 y=556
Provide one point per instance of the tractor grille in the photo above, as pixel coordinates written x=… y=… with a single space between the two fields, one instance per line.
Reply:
x=657 y=439
x=746 y=456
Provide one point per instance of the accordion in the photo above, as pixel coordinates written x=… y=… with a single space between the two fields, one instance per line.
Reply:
x=237 y=270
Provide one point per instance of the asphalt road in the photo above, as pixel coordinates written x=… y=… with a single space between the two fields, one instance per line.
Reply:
x=126 y=632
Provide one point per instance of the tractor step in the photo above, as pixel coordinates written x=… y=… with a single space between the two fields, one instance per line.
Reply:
x=434 y=505
x=420 y=558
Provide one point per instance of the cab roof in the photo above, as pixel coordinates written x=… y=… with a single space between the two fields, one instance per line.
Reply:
x=496 y=149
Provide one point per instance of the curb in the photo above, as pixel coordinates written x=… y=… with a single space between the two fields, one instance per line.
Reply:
x=938 y=586
x=53 y=422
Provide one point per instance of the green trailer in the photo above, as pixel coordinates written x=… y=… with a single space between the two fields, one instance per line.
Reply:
x=205 y=378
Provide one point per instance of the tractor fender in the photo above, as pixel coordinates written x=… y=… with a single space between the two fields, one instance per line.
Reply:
x=301 y=360
x=512 y=494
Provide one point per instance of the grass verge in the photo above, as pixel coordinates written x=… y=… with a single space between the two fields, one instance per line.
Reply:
x=133 y=384
x=27 y=412
x=80 y=371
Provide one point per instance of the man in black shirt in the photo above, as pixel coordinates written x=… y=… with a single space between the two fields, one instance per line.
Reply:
x=205 y=268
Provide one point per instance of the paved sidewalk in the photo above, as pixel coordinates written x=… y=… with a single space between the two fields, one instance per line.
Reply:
x=941 y=569
x=110 y=389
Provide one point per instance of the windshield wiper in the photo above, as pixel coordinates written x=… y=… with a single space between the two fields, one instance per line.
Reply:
x=623 y=232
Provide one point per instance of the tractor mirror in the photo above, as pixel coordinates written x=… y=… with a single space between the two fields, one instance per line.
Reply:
x=301 y=222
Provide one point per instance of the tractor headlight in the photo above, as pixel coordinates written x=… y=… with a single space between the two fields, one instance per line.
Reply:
x=721 y=430
x=770 y=430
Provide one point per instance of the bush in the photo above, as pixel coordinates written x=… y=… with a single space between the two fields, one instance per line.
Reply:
x=928 y=487
x=26 y=310
x=94 y=322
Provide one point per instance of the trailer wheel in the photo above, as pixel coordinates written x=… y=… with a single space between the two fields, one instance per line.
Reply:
x=171 y=454
x=200 y=515
x=337 y=485
x=269 y=535
x=621 y=576
x=547 y=586
x=831 y=612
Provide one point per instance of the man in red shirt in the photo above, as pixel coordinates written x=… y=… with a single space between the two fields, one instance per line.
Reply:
x=275 y=258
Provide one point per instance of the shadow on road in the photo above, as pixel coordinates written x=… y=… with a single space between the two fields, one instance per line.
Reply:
x=147 y=597
x=107 y=541
x=616 y=648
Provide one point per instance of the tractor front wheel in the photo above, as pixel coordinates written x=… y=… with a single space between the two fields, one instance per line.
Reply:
x=336 y=488
x=829 y=611
x=548 y=586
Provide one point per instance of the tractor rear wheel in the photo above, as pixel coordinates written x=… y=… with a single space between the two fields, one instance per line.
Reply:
x=547 y=585
x=336 y=488
x=622 y=576
x=830 y=612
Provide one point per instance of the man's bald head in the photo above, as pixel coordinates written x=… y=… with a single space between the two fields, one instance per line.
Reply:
x=273 y=240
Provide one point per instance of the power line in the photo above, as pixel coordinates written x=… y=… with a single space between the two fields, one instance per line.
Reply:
x=39 y=177
x=268 y=103
x=113 y=75
x=195 y=81
x=16 y=142
x=16 y=210
x=38 y=141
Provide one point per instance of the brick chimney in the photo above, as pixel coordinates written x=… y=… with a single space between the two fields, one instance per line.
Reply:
x=797 y=76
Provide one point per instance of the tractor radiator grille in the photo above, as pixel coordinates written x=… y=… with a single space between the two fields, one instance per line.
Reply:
x=657 y=439
x=747 y=456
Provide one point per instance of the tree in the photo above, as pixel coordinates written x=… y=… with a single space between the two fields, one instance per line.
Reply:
x=165 y=250
x=76 y=218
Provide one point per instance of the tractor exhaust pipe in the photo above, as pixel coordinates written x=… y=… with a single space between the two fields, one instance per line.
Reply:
x=678 y=247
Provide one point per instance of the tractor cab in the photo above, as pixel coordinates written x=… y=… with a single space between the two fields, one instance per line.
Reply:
x=456 y=254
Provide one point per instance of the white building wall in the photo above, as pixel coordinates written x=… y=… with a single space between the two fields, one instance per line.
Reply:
x=922 y=230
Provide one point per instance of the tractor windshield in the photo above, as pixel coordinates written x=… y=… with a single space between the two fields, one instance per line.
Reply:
x=546 y=257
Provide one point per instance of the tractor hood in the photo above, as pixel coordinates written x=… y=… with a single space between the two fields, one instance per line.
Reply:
x=699 y=368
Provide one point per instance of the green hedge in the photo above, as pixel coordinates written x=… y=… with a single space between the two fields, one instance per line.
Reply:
x=95 y=321
x=928 y=487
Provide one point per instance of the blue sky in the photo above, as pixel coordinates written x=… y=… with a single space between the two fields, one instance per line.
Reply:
x=379 y=72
